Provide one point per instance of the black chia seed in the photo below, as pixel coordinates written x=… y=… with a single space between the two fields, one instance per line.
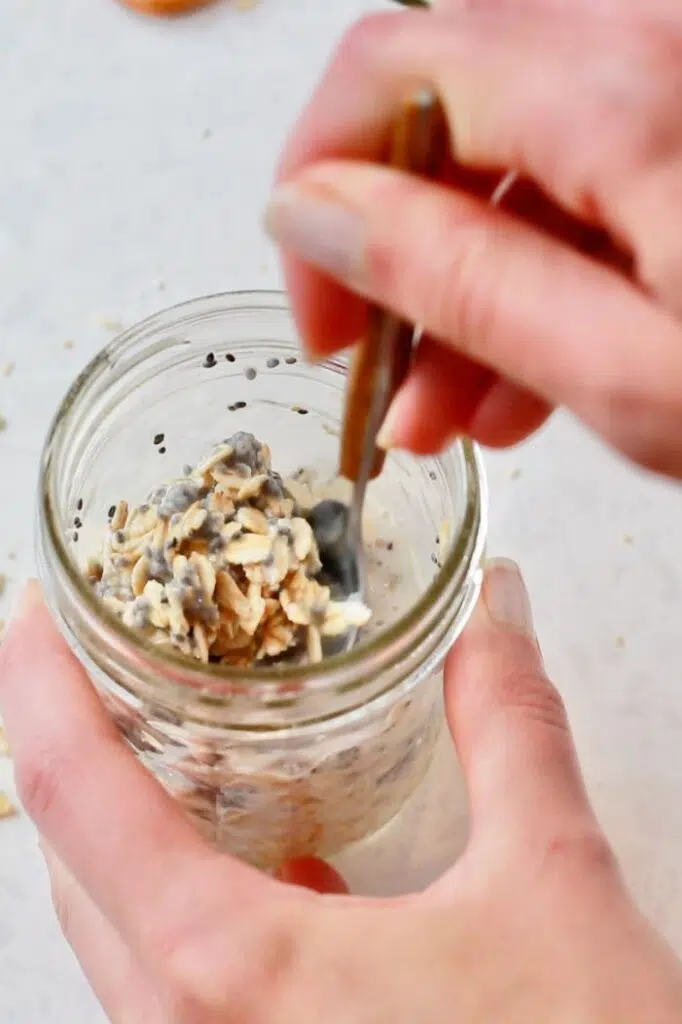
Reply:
x=159 y=438
x=79 y=505
x=162 y=451
x=300 y=411
x=389 y=546
x=433 y=475
x=240 y=405
x=250 y=373
x=230 y=358
x=78 y=522
x=112 y=511
x=272 y=363
x=75 y=536
x=290 y=360
x=209 y=361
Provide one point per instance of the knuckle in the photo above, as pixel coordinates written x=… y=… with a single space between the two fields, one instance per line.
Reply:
x=360 y=43
x=255 y=962
x=457 y=279
x=584 y=848
x=535 y=697
x=40 y=775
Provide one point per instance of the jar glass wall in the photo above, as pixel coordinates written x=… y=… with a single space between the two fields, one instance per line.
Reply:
x=289 y=760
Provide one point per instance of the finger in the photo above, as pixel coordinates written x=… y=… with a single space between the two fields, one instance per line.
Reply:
x=666 y=10
x=107 y=819
x=447 y=395
x=538 y=313
x=508 y=721
x=116 y=979
x=314 y=874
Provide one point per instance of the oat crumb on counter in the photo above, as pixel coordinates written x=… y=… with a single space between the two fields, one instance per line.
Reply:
x=7 y=808
x=7 y=369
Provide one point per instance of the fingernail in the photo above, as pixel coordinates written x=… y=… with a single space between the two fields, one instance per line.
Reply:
x=506 y=597
x=319 y=231
x=29 y=598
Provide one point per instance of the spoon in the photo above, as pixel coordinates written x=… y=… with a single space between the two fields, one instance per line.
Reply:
x=379 y=366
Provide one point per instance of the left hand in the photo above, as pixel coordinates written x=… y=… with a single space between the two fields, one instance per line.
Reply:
x=532 y=924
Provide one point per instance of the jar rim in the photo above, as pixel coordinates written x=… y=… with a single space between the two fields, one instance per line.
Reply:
x=174 y=672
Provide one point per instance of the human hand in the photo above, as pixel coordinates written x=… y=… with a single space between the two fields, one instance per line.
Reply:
x=568 y=296
x=532 y=924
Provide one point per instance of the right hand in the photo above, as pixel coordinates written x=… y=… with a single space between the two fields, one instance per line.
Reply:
x=572 y=295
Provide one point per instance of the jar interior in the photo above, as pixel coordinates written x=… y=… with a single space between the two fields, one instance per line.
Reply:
x=159 y=397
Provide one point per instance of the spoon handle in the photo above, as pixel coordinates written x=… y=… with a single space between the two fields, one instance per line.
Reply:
x=379 y=364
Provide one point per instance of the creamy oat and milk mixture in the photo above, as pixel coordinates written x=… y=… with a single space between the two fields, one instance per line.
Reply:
x=221 y=565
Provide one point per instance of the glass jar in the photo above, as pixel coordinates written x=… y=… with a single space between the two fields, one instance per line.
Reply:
x=284 y=761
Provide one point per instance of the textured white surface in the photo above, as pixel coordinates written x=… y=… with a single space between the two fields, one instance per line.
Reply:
x=136 y=161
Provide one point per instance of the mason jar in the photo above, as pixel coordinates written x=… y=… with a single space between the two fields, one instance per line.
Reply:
x=288 y=760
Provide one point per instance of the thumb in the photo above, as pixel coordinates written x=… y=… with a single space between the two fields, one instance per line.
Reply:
x=508 y=721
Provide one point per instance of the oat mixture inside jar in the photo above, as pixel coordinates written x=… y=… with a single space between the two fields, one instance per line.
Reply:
x=222 y=564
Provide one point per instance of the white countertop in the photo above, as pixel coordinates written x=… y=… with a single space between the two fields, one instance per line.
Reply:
x=136 y=161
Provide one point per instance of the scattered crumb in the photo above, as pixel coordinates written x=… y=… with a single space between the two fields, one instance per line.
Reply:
x=628 y=539
x=516 y=473
x=332 y=431
x=3 y=422
x=7 y=808
x=246 y=5
x=3 y=583
x=108 y=324
x=7 y=369
x=4 y=745
x=620 y=642
x=68 y=343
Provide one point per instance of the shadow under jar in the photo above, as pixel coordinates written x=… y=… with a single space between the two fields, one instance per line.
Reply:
x=282 y=761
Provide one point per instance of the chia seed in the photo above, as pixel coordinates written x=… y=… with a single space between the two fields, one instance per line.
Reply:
x=159 y=438
x=250 y=373
x=272 y=363
x=112 y=511
x=162 y=451
x=75 y=536
x=79 y=505
x=433 y=475
x=78 y=522
x=240 y=405
x=290 y=360
x=229 y=357
x=209 y=361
